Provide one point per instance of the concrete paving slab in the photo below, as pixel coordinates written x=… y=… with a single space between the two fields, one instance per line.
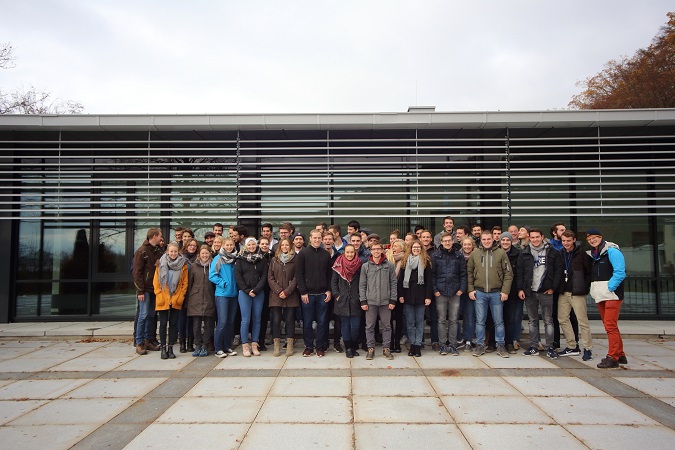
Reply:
x=196 y=435
x=618 y=436
x=34 y=328
x=656 y=387
x=53 y=437
x=113 y=350
x=311 y=387
x=8 y=342
x=77 y=329
x=436 y=361
x=400 y=410
x=63 y=350
x=285 y=436
x=668 y=400
x=407 y=436
x=519 y=436
x=152 y=361
x=667 y=362
x=75 y=412
x=393 y=386
x=332 y=360
x=119 y=329
x=13 y=352
x=10 y=410
x=400 y=361
x=84 y=363
x=213 y=410
x=591 y=410
x=115 y=387
x=472 y=386
x=232 y=387
x=40 y=389
x=518 y=361
x=643 y=349
x=310 y=410
x=239 y=362
x=515 y=410
x=554 y=386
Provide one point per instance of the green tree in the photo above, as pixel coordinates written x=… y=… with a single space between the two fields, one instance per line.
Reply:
x=644 y=80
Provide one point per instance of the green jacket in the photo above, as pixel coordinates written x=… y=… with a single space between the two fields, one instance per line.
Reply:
x=489 y=270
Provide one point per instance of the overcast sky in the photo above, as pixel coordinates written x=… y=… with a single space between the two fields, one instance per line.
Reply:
x=166 y=57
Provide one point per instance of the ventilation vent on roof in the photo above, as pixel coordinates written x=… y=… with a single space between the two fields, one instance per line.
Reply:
x=421 y=109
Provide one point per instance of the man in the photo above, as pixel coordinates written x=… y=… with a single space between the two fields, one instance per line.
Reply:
x=427 y=240
x=361 y=251
x=299 y=242
x=209 y=236
x=523 y=237
x=284 y=233
x=540 y=272
x=557 y=229
x=322 y=226
x=497 y=233
x=513 y=230
x=352 y=227
x=267 y=231
x=328 y=240
x=372 y=237
x=608 y=272
x=313 y=273
x=377 y=293
x=460 y=233
x=448 y=225
x=574 y=289
x=178 y=233
x=513 y=306
x=339 y=242
x=418 y=230
x=243 y=234
x=234 y=235
x=476 y=232
x=143 y=272
x=448 y=271
x=489 y=283
x=218 y=229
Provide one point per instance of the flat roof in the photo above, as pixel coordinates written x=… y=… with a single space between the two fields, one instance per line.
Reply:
x=335 y=121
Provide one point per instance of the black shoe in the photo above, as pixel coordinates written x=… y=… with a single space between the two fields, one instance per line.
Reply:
x=338 y=348
x=411 y=352
x=190 y=345
x=182 y=347
x=397 y=350
x=169 y=352
x=623 y=360
x=355 y=351
x=608 y=363
x=261 y=346
x=164 y=355
x=418 y=351
x=349 y=353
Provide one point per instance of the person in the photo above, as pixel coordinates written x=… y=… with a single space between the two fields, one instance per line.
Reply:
x=395 y=255
x=573 y=292
x=460 y=233
x=328 y=241
x=513 y=306
x=513 y=229
x=353 y=226
x=187 y=235
x=377 y=293
x=557 y=229
x=448 y=225
x=489 y=282
x=250 y=272
x=217 y=245
x=414 y=287
x=222 y=275
x=143 y=273
x=284 y=296
x=340 y=242
x=427 y=242
x=284 y=233
x=345 y=289
x=361 y=251
x=202 y=306
x=264 y=246
x=189 y=250
x=608 y=272
x=497 y=234
x=313 y=275
x=218 y=229
x=267 y=231
x=209 y=236
x=409 y=238
x=298 y=242
x=466 y=305
x=539 y=274
x=178 y=233
x=448 y=271
x=523 y=237
x=185 y=326
x=170 y=284
x=476 y=231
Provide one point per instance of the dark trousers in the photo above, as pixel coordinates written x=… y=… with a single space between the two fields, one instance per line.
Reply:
x=169 y=316
x=397 y=326
x=202 y=337
x=276 y=312
x=184 y=322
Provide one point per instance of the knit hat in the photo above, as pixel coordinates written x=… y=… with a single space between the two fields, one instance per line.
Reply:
x=209 y=234
x=298 y=234
x=506 y=234
x=593 y=232
x=250 y=239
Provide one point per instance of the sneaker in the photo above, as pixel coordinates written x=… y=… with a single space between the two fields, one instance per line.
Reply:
x=338 y=348
x=204 y=351
x=587 y=355
x=221 y=354
x=467 y=347
x=570 y=352
x=501 y=351
x=490 y=349
x=307 y=352
x=443 y=350
x=230 y=352
x=320 y=353
x=608 y=363
x=371 y=353
x=540 y=347
x=510 y=349
x=197 y=351
x=551 y=353
x=623 y=359
x=140 y=349
x=387 y=353
x=236 y=341
x=453 y=350
x=516 y=345
x=531 y=351
x=479 y=350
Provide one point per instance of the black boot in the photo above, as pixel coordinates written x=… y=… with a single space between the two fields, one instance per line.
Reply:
x=418 y=351
x=411 y=352
x=349 y=353
x=355 y=348
x=183 y=348
x=164 y=354
x=190 y=345
x=169 y=352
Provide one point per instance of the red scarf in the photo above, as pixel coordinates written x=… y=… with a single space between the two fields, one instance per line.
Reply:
x=346 y=268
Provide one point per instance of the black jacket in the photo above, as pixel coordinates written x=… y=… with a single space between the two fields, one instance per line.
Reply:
x=514 y=255
x=552 y=274
x=251 y=276
x=448 y=272
x=313 y=271
x=346 y=295
x=416 y=293
x=578 y=267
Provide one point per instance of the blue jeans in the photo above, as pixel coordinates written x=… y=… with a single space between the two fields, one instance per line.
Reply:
x=146 y=324
x=468 y=308
x=251 y=312
x=226 y=309
x=494 y=302
x=513 y=318
x=350 y=329
x=414 y=316
x=316 y=309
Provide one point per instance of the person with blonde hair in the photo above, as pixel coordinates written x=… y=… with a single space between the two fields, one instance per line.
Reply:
x=414 y=292
x=395 y=255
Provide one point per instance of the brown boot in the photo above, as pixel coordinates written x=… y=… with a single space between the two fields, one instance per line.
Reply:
x=254 y=349
x=277 y=347
x=149 y=345
x=246 y=349
x=140 y=349
x=289 y=346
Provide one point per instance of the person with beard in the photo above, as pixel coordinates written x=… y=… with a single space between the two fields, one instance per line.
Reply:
x=170 y=282
x=222 y=275
x=202 y=305
x=327 y=240
x=284 y=296
x=345 y=288
x=143 y=271
x=513 y=306
x=250 y=272
x=395 y=255
x=466 y=305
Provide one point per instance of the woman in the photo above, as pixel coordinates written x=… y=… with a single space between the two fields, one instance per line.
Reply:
x=202 y=306
x=395 y=256
x=466 y=305
x=171 y=282
x=415 y=291
x=216 y=246
x=345 y=289
x=264 y=245
x=222 y=275
x=284 y=297
x=250 y=272
x=185 y=335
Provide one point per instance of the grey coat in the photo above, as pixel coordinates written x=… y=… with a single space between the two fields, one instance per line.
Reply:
x=377 y=285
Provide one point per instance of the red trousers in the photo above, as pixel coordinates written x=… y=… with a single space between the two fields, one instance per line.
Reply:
x=609 y=313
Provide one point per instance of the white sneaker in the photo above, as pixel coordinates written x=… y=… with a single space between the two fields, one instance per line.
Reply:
x=221 y=354
x=230 y=352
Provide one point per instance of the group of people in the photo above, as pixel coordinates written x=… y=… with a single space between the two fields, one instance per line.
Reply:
x=376 y=292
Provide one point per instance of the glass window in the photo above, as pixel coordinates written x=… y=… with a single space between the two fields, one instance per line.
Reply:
x=114 y=299
x=112 y=256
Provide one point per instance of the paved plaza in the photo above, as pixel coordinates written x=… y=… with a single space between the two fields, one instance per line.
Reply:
x=80 y=385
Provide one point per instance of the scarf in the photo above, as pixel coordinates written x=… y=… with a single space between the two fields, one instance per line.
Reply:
x=346 y=268
x=225 y=258
x=165 y=265
x=286 y=257
x=412 y=264
x=191 y=257
x=252 y=257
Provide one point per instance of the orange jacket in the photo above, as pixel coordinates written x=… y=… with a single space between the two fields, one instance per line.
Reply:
x=163 y=299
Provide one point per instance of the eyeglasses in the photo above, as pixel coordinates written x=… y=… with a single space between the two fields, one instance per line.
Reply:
x=446 y=241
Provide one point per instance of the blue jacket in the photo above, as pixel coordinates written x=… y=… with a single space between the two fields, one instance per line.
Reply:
x=609 y=265
x=224 y=280
x=448 y=272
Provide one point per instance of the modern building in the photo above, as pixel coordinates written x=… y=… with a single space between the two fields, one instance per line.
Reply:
x=78 y=193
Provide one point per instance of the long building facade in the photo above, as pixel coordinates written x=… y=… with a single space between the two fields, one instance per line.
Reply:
x=78 y=193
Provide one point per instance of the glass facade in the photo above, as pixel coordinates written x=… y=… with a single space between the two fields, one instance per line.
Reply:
x=76 y=201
